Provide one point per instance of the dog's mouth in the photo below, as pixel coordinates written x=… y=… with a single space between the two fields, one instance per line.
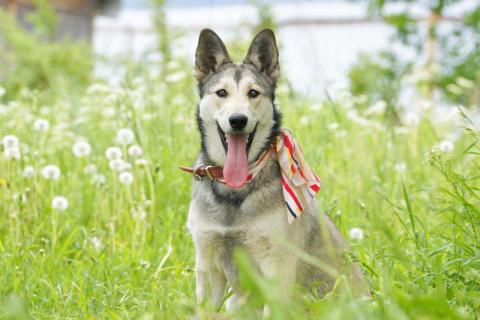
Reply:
x=237 y=146
x=223 y=138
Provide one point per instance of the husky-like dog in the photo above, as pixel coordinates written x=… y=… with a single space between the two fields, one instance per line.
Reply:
x=238 y=121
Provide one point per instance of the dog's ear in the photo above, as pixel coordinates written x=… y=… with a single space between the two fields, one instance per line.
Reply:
x=210 y=55
x=263 y=54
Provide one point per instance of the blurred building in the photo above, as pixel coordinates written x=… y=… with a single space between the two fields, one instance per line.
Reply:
x=75 y=17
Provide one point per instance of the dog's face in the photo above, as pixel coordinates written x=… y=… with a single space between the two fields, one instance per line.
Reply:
x=237 y=116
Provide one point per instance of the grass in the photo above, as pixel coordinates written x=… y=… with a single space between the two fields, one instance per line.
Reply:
x=122 y=251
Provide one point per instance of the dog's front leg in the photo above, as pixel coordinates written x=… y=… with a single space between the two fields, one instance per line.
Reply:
x=210 y=284
x=282 y=267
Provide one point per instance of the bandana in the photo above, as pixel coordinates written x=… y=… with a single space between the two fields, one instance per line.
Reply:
x=299 y=183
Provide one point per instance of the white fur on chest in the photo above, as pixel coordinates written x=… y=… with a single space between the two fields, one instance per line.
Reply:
x=256 y=235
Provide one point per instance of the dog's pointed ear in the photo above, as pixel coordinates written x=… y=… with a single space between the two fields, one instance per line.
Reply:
x=210 y=55
x=263 y=54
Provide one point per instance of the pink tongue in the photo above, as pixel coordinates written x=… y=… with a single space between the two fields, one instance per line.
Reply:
x=235 y=170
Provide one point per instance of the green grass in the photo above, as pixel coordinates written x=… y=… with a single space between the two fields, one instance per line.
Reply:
x=99 y=259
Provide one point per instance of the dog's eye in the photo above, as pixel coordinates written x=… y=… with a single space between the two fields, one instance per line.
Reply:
x=253 y=93
x=222 y=93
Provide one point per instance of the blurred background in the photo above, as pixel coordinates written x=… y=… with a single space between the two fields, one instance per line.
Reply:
x=365 y=47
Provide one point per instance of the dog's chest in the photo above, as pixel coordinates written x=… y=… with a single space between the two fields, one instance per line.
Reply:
x=254 y=235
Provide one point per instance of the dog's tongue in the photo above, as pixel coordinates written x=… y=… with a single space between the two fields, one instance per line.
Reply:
x=235 y=170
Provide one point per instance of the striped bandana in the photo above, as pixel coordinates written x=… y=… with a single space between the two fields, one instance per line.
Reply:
x=299 y=182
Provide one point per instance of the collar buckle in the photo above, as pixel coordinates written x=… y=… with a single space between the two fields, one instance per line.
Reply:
x=196 y=175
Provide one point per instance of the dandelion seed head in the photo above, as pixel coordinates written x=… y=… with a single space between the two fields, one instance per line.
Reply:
x=113 y=153
x=60 y=203
x=141 y=162
x=117 y=165
x=356 y=234
x=96 y=243
x=12 y=153
x=28 y=172
x=41 y=125
x=125 y=136
x=135 y=151
x=401 y=167
x=446 y=146
x=51 y=172
x=2 y=91
x=81 y=149
x=125 y=178
x=10 y=141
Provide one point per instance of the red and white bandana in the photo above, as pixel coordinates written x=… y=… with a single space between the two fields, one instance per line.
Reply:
x=299 y=183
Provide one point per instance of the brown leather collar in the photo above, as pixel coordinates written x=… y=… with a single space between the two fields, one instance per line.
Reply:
x=202 y=171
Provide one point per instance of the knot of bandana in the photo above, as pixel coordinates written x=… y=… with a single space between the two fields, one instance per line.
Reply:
x=299 y=183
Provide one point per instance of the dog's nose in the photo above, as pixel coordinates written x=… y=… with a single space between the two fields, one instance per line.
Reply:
x=238 y=121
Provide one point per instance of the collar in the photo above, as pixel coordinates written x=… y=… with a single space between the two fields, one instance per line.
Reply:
x=299 y=183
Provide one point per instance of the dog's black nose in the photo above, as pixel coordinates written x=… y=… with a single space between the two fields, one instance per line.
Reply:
x=238 y=121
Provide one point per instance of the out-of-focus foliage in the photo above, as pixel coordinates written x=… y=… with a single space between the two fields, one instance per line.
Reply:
x=32 y=60
x=448 y=59
x=378 y=77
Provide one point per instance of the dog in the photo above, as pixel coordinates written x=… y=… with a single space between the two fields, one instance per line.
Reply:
x=238 y=123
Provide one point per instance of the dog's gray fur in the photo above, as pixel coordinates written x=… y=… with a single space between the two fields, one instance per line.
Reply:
x=253 y=217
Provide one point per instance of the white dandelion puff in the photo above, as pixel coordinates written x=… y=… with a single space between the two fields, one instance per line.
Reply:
x=41 y=125
x=401 y=167
x=125 y=136
x=81 y=149
x=135 y=151
x=96 y=243
x=12 y=153
x=125 y=178
x=28 y=172
x=356 y=234
x=51 y=172
x=10 y=141
x=141 y=162
x=113 y=153
x=446 y=146
x=117 y=165
x=60 y=203
x=2 y=91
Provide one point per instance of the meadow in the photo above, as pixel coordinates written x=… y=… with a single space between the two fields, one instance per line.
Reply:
x=93 y=206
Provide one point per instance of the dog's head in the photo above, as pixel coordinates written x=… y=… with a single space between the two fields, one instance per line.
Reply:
x=237 y=116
